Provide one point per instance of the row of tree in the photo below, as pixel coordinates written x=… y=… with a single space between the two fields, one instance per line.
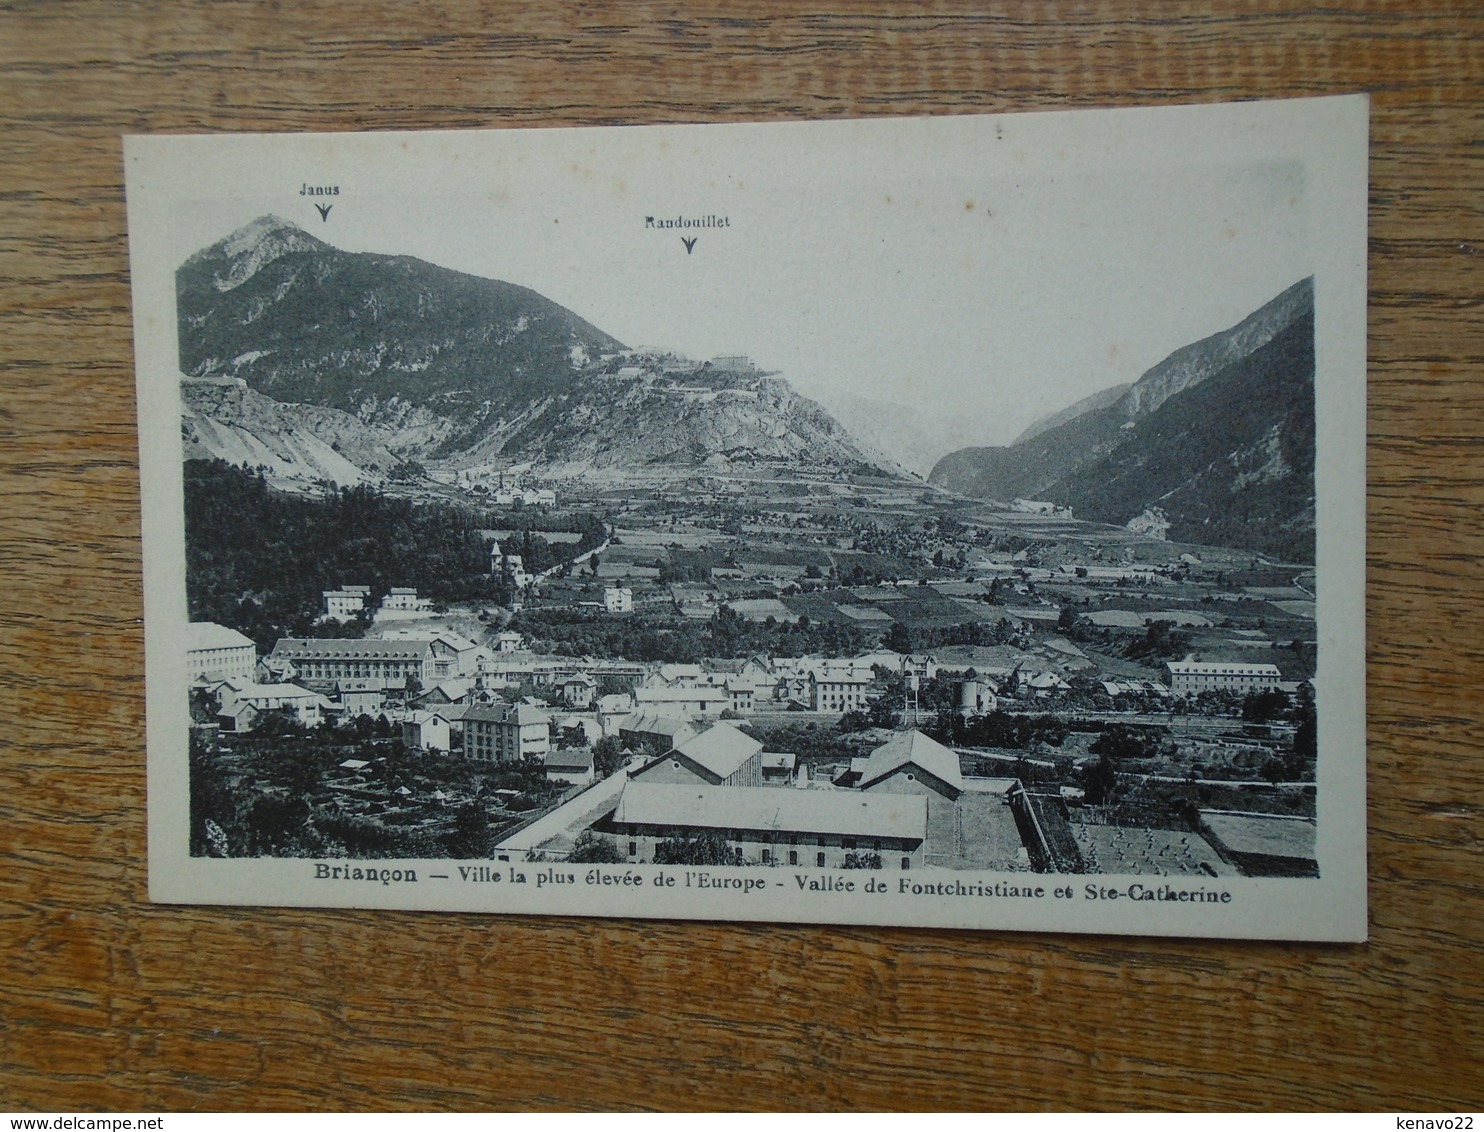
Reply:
x=258 y=560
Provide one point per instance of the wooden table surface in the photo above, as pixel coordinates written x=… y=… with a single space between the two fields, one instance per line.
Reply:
x=108 y=1002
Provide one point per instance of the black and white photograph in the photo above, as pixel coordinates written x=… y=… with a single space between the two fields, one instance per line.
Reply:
x=949 y=522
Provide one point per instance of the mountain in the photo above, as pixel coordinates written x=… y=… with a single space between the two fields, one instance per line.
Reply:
x=223 y=418
x=1215 y=444
x=1103 y=399
x=321 y=363
x=306 y=323
x=652 y=420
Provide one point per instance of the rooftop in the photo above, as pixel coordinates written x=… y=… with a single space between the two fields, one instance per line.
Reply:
x=765 y=808
x=915 y=749
x=1221 y=668
x=652 y=723
x=573 y=758
x=251 y=691
x=671 y=695
x=1266 y=835
x=720 y=749
x=209 y=635
x=340 y=648
x=521 y=715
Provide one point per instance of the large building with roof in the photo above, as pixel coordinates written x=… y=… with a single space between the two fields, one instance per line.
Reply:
x=719 y=756
x=324 y=662
x=506 y=732
x=242 y=704
x=1191 y=677
x=1264 y=845
x=427 y=730
x=768 y=826
x=650 y=730
x=911 y=763
x=346 y=602
x=215 y=652
x=705 y=701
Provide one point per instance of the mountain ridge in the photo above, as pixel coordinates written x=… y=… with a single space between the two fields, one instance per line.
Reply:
x=438 y=365
x=1135 y=442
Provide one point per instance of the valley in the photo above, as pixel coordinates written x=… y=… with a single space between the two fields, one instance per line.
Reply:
x=498 y=518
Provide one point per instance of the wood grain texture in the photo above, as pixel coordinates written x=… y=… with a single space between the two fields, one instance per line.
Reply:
x=109 y=1002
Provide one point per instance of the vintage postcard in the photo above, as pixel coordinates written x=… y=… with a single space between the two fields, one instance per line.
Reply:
x=946 y=522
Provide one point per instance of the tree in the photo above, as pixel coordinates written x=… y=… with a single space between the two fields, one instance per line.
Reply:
x=898 y=638
x=703 y=849
x=607 y=755
x=1161 y=638
x=857 y=860
x=1306 y=737
x=1121 y=741
x=1101 y=781
x=593 y=848
x=274 y=825
x=470 y=836
x=1264 y=705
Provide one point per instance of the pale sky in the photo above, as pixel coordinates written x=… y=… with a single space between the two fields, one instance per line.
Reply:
x=999 y=268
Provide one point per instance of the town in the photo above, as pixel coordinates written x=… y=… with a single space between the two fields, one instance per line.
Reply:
x=830 y=668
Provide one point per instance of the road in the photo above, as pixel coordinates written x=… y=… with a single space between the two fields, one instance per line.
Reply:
x=607 y=541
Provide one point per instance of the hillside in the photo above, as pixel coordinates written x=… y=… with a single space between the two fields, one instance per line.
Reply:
x=1217 y=441
x=325 y=364
x=306 y=323
x=1103 y=399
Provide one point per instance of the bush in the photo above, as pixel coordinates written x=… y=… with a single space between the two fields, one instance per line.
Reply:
x=593 y=848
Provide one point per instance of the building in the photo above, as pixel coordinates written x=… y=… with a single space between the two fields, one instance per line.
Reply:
x=325 y=662
x=508 y=567
x=780 y=767
x=827 y=684
x=734 y=363
x=719 y=756
x=401 y=599
x=911 y=763
x=360 y=697
x=578 y=691
x=975 y=697
x=428 y=731
x=921 y=665
x=647 y=730
x=838 y=690
x=508 y=640
x=704 y=702
x=573 y=765
x=1263 y=845
x=453 y=655
x=241 y=704
x=1191 y=677
x=613 y=709
x=214 y=652
x=742 y=694
x=343 y=604
x=680 y=676
x=506 y=732
x=1039 y=685
x=766 y=826
x=618 y=599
